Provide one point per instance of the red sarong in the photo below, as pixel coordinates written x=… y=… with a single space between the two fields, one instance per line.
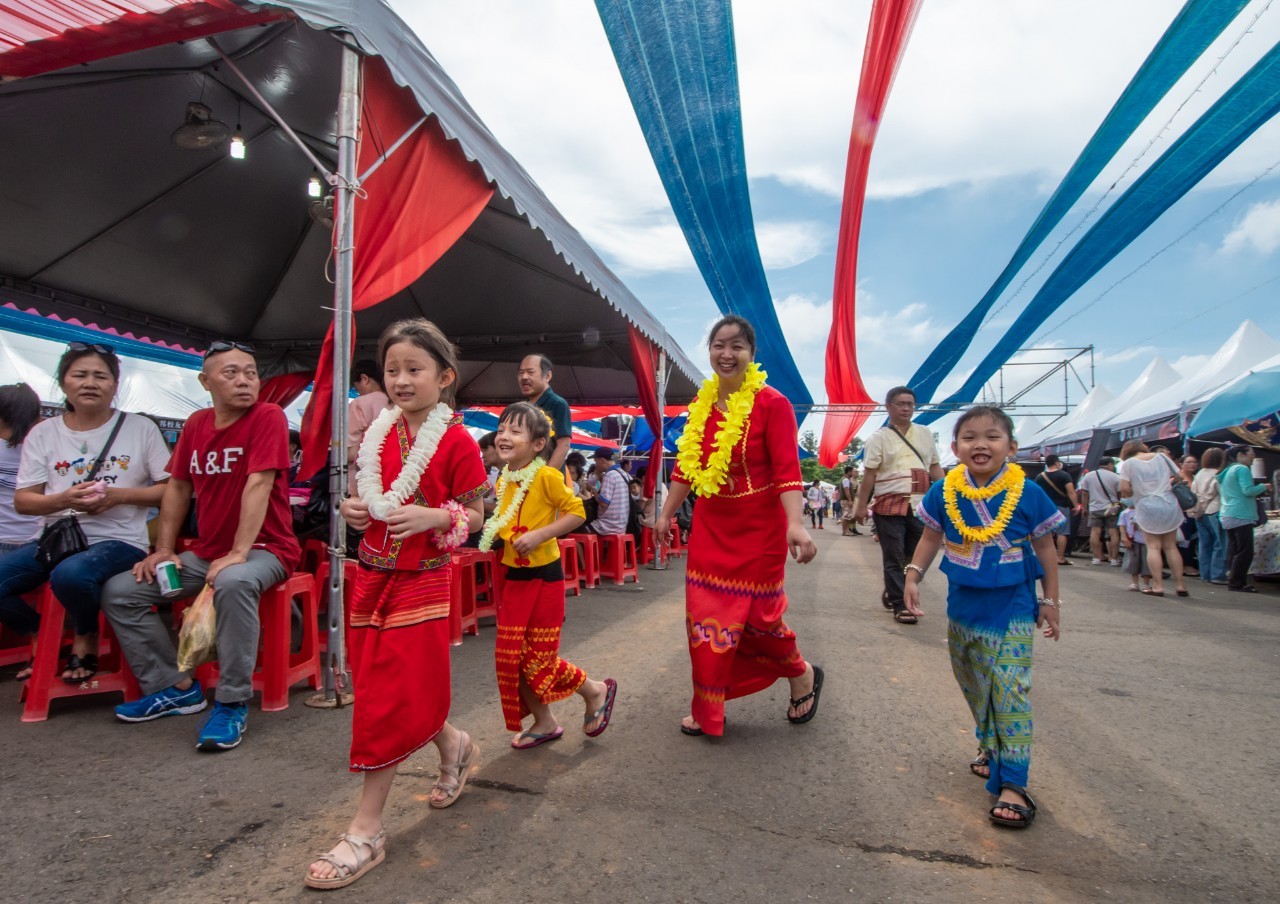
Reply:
x=528 y=647
x=399 y=671
x=738 y=643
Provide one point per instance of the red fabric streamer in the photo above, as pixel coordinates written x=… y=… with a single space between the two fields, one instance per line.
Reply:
x=643 y=362
x=887 y=34
x=284 y=388
x=416 y=204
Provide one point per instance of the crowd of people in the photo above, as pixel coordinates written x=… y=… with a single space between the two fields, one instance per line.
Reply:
x=86 y=484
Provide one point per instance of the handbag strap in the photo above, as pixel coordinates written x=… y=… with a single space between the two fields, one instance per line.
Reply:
x=1043 y=480
x=102 y=456
x=911 y=447
x=1097 y=473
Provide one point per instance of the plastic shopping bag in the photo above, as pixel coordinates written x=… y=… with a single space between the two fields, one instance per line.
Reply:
x=197 y=641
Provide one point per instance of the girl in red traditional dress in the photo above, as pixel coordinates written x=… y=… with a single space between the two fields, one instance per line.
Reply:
x=535 y=507
x=420 y=483
x=738 y=453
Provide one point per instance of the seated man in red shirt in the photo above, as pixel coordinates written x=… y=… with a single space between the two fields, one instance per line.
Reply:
x=234 y=457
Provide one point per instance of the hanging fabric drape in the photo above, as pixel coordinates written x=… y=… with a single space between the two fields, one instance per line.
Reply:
x=284 y=388
x=887 y=34
x=644 y=360
x=1249 y=103
x=412 y=208
x=1195 y=28
x=678 y=61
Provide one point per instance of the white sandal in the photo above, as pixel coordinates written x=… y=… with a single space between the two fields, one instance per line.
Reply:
x=453 y=776
x=349 y=871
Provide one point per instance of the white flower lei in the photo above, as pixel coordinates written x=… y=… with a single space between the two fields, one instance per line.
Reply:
x=369 y=479
x=524 y=479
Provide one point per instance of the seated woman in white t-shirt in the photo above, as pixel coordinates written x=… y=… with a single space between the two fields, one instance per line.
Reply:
x=57 y=459
x=19 y=412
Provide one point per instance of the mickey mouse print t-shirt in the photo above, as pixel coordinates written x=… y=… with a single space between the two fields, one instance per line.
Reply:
x=60 y=458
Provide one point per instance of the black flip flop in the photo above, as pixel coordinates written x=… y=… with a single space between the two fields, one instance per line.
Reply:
x=816 y=694
x=981 y=762
x=1027 y=813
x=88 y=662
x=903 y=617
x=691 y=732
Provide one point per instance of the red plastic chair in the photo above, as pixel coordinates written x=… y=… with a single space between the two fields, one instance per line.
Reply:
x=569 y=561
x=462 y=600
x=589 y=557
x=618 y=558
x=46 y=685
x=677 y=548
x=480 y=580
x=314 y=554
x=278 y=668
x=13 y=647
x=349 y=567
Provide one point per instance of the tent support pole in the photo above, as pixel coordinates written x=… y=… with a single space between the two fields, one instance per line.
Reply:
x=336 y=682
x=659 y=562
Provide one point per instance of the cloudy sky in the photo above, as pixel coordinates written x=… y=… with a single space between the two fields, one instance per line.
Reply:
x=992 y=103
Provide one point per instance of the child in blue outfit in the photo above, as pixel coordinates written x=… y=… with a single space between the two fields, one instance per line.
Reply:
x=995 y=528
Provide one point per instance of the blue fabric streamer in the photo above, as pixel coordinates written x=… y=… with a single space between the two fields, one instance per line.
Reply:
x=678 y=61
x=1195 y=28
x=1249 y=103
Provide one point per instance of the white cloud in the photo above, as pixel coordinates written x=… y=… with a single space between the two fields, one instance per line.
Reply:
x=1258 y=229
x=786 y=244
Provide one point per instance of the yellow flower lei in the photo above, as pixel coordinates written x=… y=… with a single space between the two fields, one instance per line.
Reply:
x=708 y=481
x=1010 y=482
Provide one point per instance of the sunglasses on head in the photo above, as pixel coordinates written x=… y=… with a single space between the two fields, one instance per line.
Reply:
x=226 y=345
x=90 y=347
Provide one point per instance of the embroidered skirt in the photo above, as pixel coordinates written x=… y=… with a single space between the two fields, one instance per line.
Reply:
x=528 y=645
x=399 y=666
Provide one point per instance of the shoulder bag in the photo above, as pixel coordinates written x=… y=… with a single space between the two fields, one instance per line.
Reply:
x=919 y=476
x=1115 y=506
x=65 y=537
x=1181 y=492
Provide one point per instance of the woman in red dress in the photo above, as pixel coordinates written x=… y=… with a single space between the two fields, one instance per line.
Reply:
x=738 y=453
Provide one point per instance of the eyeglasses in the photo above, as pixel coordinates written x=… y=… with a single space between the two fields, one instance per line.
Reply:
x=90 y=347
x=226 y=345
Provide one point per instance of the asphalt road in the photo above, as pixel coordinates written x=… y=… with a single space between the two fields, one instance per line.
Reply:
x=1155 y=768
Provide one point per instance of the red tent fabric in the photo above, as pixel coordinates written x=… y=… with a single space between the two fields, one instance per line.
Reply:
x=38 y=36
x=891 y=22
x=412 y=208
x=284 y=388
x=644 y=364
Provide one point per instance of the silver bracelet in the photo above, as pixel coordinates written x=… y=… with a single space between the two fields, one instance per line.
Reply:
x=1052 y=604
x=912 y=566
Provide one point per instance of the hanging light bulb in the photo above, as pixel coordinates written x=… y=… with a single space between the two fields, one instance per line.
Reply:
x=314 y=188
x=237 y=146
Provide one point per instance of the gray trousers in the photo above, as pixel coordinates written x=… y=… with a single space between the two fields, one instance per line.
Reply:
x=145 y=640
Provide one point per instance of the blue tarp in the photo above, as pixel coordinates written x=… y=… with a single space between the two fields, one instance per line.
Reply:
x=1195 y=28
x=678 y=61
x=1249 y=103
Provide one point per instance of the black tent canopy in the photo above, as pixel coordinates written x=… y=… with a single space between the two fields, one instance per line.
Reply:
x=104 y=220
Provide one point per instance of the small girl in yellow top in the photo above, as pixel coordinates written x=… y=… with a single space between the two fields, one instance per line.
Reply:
x=534 y=509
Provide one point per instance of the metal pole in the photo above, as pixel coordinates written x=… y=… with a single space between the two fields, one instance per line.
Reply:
x=344 y=189
x=659 y=562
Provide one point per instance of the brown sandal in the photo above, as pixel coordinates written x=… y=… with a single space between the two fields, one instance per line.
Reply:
x=350 y=870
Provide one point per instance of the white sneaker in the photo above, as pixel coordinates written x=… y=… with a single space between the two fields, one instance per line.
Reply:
x=1095 y=562
x=1115 y=563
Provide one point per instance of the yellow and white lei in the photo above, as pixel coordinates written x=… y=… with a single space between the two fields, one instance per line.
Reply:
x=708 y=481
x=1010 y=483
x=503 y=516
x=369 y=478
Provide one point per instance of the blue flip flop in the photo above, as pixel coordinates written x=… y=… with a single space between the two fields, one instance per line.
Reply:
x=538 y=739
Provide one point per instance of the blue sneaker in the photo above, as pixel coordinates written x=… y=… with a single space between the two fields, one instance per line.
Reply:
x=168 y=702
x=223 y=728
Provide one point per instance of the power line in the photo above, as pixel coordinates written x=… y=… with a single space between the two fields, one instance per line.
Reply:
x=1132 y=164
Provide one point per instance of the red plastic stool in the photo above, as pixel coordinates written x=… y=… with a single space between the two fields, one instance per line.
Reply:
x=589 y=553
x=646 y=545
x=677 y=548
x=462 y=600
x=46 y=684
x=314 y=554
x=569 y=561
x=322 y=599
x=13 y=647
x=618 y=558
x=279 y=668
x=480 y=580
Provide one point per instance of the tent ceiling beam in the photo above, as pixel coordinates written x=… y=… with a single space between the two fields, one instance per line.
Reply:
x=271 y=111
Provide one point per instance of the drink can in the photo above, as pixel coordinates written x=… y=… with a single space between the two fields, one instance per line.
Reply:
x=167 y=579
